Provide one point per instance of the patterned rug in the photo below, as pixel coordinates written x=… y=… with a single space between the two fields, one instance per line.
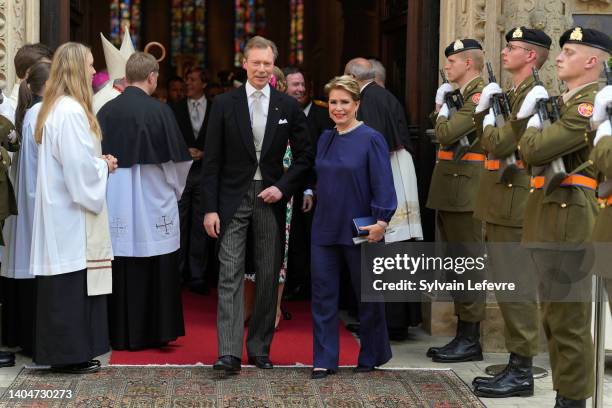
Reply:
x=157 y=387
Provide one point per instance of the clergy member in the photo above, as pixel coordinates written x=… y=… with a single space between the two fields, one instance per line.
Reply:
x=145 y=309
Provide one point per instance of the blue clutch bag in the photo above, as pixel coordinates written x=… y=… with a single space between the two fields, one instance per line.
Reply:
x=362 y=222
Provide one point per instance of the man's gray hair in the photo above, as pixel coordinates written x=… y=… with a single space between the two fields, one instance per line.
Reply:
x=380 y=73
x=360 y=69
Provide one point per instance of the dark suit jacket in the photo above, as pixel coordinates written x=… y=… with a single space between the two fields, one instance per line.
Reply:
x=181 y=111
x=318 y=120
x=229 y=158
x=380 y=110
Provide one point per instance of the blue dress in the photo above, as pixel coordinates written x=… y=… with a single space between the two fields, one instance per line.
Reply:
x=354 y=179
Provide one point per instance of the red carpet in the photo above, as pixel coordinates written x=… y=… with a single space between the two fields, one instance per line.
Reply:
x=292 y=342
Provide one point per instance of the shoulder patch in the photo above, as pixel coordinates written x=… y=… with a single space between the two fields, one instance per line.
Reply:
x=585 y=109
x=476 y=98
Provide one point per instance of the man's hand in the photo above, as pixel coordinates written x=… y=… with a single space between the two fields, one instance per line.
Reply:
x=535 y=122
x=196 y=154
x=485 y=97
x=602 y=99
x=489 y=119
x=442 y=91
x=111 y=162
x=376 y=232
x=307 y=203
x=212 y=224
x=270 y=195
x=528 y=107
x=444 y=111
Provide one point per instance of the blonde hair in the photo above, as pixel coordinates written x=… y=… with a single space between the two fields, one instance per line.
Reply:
x=477 y=57
x=261 y=43
x=68 y=77
x=281 y=81
x=139 y=66
x=346 y=83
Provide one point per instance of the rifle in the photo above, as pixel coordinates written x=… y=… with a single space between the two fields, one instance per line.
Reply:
x=501 y=110
x=605 y=187
x=454 y=101
x=554 y=172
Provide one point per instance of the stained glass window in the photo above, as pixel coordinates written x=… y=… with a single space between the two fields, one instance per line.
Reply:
x=122 y=12
x=188 y=30
x=296 y=42
x=250 y=21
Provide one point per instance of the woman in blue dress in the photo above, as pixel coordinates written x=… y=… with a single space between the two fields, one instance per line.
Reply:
x=354 y=180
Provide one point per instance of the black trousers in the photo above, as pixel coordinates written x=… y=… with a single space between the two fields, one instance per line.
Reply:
x=71 y=327
x=195 y=244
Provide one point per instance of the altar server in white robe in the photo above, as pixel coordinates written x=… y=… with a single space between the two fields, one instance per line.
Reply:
x=71 y=250
x=18 y=309
x=145 y=309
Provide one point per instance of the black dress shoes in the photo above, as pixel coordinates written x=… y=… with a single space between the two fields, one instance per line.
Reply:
x=320 y=374
x=88 y=367
x=7 y=359
x=229 y=364
x=262 y=362
x=363 y=369
x=562 y=402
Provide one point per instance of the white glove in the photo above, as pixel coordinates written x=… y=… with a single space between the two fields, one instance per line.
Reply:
x=603 y=130
x=602 y=99
x=529 y=104
x=535 y=122
x=12 y=136
x=489 y=119
x=485 y=97
x=444 y=111
x=442 y=91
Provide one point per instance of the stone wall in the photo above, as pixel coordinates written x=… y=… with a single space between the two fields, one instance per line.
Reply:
x=19 y=24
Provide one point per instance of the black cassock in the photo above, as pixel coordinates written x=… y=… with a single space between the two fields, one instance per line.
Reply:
x=381 y=110
x=145 y=308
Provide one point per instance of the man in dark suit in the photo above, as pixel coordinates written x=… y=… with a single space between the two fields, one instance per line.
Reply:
x=317 y=118
x=245 y=187
x=192 y=116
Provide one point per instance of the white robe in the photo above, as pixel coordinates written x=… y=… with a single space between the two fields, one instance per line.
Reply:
x=18 y=228
x=9 y=105
x=143 y=208
x=104 y=95
x=71 y=181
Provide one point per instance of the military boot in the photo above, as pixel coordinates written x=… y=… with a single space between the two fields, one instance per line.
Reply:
x=464 y=347
x=562 y=402
x=7 y=359
x=516 y=381
x=484 y=380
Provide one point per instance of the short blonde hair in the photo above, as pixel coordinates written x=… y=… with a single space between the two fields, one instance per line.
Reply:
x=261 y=43
x=139 y=66
x=477 y=57
x=346 y=83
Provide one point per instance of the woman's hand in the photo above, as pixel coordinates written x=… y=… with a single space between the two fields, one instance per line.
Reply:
x=111 y=162
x=376 y=232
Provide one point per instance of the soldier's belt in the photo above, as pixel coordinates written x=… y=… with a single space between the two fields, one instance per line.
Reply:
x=573 y=180
x=448 y=155
x=496 y=164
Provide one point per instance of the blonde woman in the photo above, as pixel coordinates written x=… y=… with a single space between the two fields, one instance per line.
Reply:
x=71 y=326
x=354 y=180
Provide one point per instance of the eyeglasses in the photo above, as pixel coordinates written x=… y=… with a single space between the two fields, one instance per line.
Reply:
x=510 y=47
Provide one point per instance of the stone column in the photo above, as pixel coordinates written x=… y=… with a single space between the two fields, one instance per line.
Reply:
x=19 y=24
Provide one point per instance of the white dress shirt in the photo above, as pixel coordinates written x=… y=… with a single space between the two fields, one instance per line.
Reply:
x=265 y=99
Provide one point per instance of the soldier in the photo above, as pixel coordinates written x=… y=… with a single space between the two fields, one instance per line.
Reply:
x=454 y=183
x=501 y=203
x=557 y=225
x=600 y=155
